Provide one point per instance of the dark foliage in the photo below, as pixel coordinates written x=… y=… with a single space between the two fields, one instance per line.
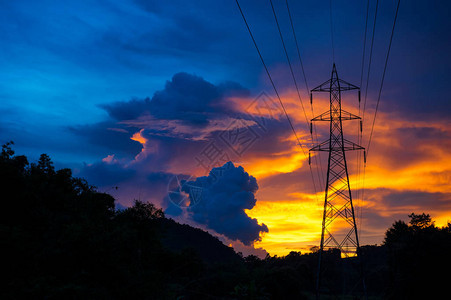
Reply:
x=64 y=240
x=418 y=258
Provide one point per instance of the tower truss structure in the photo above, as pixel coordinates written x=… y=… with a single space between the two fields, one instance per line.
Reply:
x=339 y=227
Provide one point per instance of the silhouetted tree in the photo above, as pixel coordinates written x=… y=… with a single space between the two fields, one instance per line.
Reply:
x=61 y=238
x=45 y=165
x=141 y=211
x=419 y=222
x=418 y=253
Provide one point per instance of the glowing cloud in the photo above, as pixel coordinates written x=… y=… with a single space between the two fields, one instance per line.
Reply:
x=139 y=138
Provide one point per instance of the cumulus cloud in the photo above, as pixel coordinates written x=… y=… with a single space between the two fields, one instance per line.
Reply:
x=225 y=195
x=187 y=113
x=107 y=172
x=106 y=137
x=188 y=108
x=187 y=98
x=133 y=181
x=164 y=134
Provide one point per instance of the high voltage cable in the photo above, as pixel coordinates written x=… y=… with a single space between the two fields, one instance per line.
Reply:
x=383 y=77
x=364 y=45
x=291 y=68
x=380 y=91
x=359 y=132
x=366 y=93
x=274 y=87
x=269 y=76
x=297 y=46
x=308 y=91
x=369 y=63
x=289 y=61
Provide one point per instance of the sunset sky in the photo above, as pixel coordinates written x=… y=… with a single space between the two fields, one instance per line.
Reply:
x=141 y=95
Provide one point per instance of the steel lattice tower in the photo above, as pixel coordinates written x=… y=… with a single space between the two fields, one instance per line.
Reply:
x=339 y=228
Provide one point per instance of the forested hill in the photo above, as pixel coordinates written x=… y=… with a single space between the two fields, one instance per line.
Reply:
x=181 y=237
x=61 y=239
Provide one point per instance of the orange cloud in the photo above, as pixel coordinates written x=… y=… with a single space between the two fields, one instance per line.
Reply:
x=406 y=156
x=139 y=138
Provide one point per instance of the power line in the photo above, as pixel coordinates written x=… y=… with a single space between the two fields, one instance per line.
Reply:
x=369 y=63
x=383 y=77
x=297 y=45
x=275 y=89
x=269 y=76
x=379 y=95
x=291 y=69
x=289 y=61
x=320 y=171
x=364 y=45
x=313 y=129
x=366 y=92
x=359 y=130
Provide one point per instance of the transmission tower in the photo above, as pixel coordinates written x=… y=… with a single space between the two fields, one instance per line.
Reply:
x=339 y=227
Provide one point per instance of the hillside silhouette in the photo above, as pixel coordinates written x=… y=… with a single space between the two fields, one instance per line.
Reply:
x=63 y=239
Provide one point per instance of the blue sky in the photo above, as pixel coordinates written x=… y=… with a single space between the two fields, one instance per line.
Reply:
x=76 y=77
x=61 y=59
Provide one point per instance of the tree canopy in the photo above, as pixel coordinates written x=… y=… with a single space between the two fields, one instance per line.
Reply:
x=64 y=239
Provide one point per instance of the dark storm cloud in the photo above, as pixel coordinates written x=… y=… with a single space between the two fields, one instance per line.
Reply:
x=187 y=108
x=109 y=138
x=103 y=174
x=128 y=110
x=186 y=97
x=425 y=200
x=428 y=134
x=223 y=202
x=173 y=209
x=130 y=180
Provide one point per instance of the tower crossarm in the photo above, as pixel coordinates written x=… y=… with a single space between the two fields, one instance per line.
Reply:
x=347 y=146
x=343 y=86
x=326 y=116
